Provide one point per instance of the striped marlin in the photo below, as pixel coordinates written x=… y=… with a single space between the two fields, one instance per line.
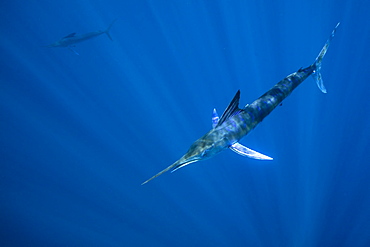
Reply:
x=235 y=123
x=71 y=39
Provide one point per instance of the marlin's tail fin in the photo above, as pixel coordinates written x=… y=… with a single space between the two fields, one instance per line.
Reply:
x=107 y=30
x=317 y=65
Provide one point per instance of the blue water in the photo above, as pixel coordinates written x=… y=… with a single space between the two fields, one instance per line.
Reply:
x=79 y=134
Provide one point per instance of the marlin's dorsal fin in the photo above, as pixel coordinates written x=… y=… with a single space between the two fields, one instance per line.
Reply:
x=231 y=109
x=69 y=35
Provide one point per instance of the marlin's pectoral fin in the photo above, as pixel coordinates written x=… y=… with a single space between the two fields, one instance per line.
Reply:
x=72 y=50
x=244 y=151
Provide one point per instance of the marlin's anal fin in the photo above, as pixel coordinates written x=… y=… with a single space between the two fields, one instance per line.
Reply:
x=244 y=151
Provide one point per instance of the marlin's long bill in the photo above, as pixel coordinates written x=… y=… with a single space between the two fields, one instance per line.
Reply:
x=235 y=123
x=160 y=173
x=174 y=166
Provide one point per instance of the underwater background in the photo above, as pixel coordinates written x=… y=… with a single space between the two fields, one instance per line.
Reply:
x=80 y=133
